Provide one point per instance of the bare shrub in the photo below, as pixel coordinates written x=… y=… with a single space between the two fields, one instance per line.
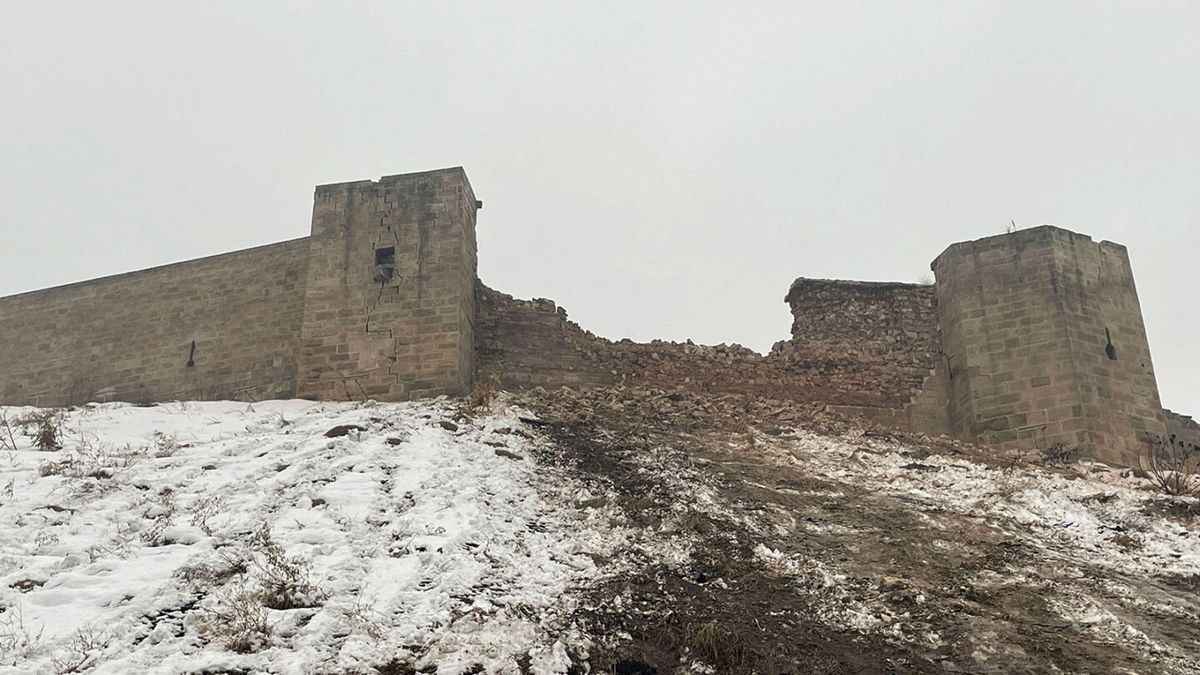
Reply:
x=165 y=445
x=59 y=468
x=17 y=641
x=82 y=650
x=44 y=427
x=483 y=394
x=44 y=539
x=239 y=622
x=204 y=510
x=285 y=582
x=1171 y=467
x=88 y=460
x=1060 y=453
x=8 y=434
x=360 y=618
x=1011 y=478
x=208 y=575
x=162 y=513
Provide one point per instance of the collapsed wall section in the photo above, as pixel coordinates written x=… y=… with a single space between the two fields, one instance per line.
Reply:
x=531 y=343
x=389 y=311
x=873 y=358
x=130 y=337
x=1045 y=341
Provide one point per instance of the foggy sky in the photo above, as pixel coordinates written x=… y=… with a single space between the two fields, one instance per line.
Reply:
x=660 y=169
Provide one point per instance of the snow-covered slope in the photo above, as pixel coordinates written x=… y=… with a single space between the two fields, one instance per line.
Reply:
x=299 y=537
x=146 y=543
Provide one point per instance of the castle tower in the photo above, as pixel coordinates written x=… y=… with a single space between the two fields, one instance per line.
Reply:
x=389 y=307
x=1044 y=340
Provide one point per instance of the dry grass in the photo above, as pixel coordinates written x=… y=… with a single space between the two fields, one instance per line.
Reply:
x=285 y=582
x=239 y=622
x=717 y=645
x=483 y=395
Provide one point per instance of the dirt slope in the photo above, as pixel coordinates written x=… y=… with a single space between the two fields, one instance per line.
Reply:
x=793 y=551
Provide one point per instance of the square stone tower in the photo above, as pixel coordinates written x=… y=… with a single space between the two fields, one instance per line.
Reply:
x=1044 y=342
x=389 y=307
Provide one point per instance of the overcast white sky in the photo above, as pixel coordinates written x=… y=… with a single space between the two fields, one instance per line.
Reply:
x=661 y=169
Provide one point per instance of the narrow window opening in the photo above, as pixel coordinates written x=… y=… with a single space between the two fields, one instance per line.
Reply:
x=192 y=356
x=385 y=264
x=1109 y=349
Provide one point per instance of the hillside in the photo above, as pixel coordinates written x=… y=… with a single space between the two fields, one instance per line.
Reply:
x=611 y=531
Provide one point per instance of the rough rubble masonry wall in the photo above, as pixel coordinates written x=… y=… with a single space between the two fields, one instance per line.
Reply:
x=1183 y=433
x=863 y=347
x=1026 y=321
x=530 y=343
x=865 y=343
x=389 y=309
x=129 y=337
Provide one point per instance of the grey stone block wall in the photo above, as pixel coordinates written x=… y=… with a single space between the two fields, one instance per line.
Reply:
x=129 y=337
x=310 y=317
x=401 y=328
x=1026 y=320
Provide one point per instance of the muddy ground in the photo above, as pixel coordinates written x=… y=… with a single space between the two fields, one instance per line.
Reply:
x=751 y=559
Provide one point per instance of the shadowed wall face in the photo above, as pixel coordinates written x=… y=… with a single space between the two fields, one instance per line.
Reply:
x=1045 y=341
x=130 y=337
x=390 y=305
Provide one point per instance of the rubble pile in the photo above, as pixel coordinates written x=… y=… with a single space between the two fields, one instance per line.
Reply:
x=531 y=343
x=677 y=410
x=667 y=414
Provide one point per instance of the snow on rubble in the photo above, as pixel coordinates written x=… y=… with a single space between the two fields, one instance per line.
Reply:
x=153 y=539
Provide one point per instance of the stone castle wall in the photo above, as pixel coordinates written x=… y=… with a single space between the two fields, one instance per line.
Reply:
x=1184 y=433
x=869 y=343
x=129 y=337
x=389 y=308
x=1027 y=339
x=1010 y=347
x=1026 y=321
x=531 y=343
x=313 y=317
